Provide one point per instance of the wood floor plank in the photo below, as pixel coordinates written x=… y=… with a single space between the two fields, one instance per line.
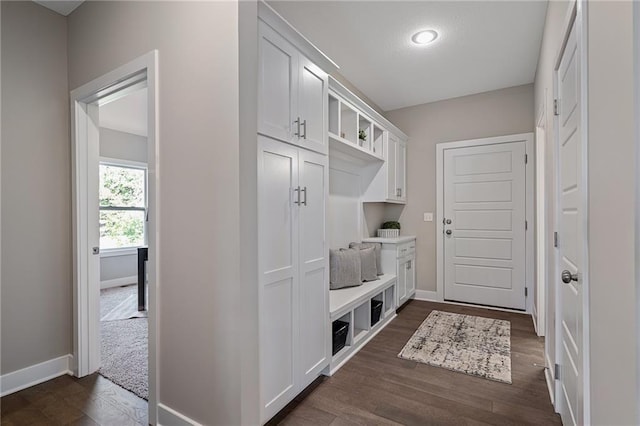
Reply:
x=377 y=387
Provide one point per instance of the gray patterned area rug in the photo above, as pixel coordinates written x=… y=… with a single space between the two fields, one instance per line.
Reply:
x=464 y=343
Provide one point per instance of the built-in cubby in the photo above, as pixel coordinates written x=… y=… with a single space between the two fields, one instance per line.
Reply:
x=364 y=132
x=389 y=301
x=342 y=341
x=360 y=321
x=377 y=309
x=334 y=115
x=377 y=141
x=348 y=123
x=353 y=306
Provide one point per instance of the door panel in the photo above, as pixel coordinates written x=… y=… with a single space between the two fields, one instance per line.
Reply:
x=401 y=170
x=484 y=197
x=277 y=85
x=278 y=266
x=392 y=144
x=313 y=106
x=314 y=258
x=570 y=191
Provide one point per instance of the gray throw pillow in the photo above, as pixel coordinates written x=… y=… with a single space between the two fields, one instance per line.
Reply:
x=378 y=250
x=368 y=263
x=345 y=268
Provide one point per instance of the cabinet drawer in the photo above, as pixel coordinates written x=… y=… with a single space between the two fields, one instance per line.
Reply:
x=406 y=249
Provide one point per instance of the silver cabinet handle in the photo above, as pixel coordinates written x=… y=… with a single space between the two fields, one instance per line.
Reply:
x=297 y=122
x=304 y=124
x=397 y=192
x=304 y=202
x=298 y=199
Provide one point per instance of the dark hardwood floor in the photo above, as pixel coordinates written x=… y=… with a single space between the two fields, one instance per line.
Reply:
x=92 y=400
x=374 y=387
x=377 y=387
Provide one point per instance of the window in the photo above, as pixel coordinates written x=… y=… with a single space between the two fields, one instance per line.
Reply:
x=123 y=206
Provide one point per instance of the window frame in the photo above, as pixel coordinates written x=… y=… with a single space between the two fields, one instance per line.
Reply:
x=127 y=164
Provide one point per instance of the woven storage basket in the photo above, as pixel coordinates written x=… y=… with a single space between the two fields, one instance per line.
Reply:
x=388 y=233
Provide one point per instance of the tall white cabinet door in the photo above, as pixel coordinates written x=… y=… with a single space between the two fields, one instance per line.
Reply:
x=312 y=103
x=392 y=189
x=314 y=266
x=401 y=170
x=277 y=85
x=278 y=266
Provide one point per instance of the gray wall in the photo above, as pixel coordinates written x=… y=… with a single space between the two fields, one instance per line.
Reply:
x=36 y=187
x=199 y=375
x=124 y=146
x=611 y=152
x=496 y=113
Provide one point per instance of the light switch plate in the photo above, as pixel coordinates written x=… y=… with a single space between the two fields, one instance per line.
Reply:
x=428 y=217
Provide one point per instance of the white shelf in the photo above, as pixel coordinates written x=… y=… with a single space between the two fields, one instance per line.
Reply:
x=344 y=299
x=341 y=147
x=397 y=240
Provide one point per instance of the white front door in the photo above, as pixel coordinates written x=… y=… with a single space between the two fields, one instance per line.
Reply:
x=484 y=224
x=570 y=236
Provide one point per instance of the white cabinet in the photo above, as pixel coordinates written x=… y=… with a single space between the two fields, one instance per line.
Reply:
x=293 y=265
x=388 y=182
x=292 y=93
x=399 y=258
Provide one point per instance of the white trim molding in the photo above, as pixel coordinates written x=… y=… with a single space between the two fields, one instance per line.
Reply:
x=167 y=416
x=118 y=282
x=35 y=374
x=529 y=208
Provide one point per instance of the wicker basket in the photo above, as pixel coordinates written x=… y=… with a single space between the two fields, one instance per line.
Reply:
x=388 y=233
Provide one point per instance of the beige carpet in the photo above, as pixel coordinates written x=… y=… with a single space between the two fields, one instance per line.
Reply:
x=124 y=340
x=468 y=344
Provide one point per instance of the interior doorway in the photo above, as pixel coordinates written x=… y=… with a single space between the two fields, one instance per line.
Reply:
x=115 y=221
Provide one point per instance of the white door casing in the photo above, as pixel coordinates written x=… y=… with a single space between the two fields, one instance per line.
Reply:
x=140 y=72
x=569 y=150
x=484 y=212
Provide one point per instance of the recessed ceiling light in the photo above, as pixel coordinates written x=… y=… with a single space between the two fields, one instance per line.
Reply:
x=424 y=37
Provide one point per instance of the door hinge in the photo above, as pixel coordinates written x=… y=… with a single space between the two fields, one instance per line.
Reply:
x=526 y=158
x=526 y=292
x=555 y=239
x=556 y=372
x=556 y=107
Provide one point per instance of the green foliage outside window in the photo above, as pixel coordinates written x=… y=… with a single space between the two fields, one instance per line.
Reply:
x=122 y=206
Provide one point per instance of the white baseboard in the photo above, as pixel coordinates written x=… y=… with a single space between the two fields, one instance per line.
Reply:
x=426 y=295
x=118 y=282
x=169 y=417
x=35 y=374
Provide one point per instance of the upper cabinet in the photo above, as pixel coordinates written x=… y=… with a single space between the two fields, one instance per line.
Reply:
x=292 y=93
x=360 y=135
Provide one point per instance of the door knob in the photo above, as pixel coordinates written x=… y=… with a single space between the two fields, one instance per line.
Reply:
x=567 y=277
x=448 y=232
x=448 y=221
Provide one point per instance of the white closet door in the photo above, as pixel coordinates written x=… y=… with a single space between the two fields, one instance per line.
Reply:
x=312 y=102
x=401 y=170
x=314 y=262
x=277 y=86
x=278 y=265
x=392 y=188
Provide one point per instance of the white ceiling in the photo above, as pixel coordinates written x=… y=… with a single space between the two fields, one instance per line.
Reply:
x=127 y=114
x=483 y=45
x=63 y=7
